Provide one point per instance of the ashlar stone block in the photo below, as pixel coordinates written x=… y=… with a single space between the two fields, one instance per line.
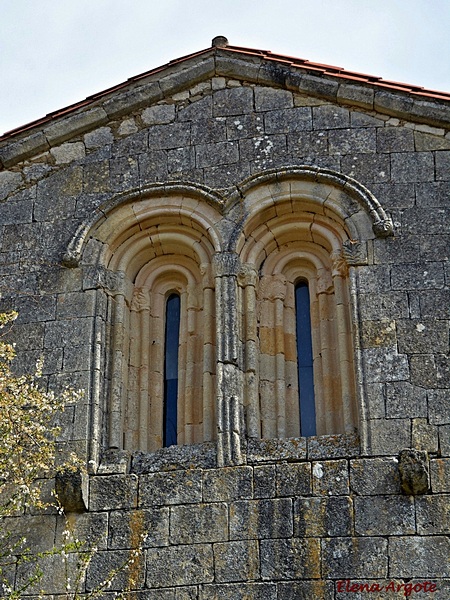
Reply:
x=330 y=478
x=163 y=566
x=294 y=479
x=354 y=557
x=138 y=528
x=198 y=524
x=233 y=101
x=440 y=475
x=290 y=559
x=256 y=519
x=433 y=514
x=113 y=492
x=124 y=569
x=236 y=561
x=177 y=487
x=233 y=483
x=323 y=517
x=384 y=515
x=374 y=476
x=409 y=555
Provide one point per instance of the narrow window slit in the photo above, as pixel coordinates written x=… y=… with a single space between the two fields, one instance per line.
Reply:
x=172 y=342
x=305 y=360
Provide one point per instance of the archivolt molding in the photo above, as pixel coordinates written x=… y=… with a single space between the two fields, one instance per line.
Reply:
x=132 y=209
x=316 y=190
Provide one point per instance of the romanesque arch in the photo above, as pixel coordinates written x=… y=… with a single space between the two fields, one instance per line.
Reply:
x=157 y=245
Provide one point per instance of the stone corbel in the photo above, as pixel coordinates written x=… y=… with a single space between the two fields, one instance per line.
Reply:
x=383 y=227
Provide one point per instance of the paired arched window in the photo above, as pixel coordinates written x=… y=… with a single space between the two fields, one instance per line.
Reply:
x=285 y=365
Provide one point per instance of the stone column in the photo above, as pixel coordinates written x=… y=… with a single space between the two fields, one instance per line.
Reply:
x=229 y=374
x=248 y=280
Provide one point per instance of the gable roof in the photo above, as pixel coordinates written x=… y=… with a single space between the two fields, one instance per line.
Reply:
x=222 y=59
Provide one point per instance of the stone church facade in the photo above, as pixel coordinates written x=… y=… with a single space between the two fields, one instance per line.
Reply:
x=266 y=196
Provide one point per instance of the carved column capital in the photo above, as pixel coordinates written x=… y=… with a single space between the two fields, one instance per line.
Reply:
x=140 y=300
x=354 y=252
x=247 y=275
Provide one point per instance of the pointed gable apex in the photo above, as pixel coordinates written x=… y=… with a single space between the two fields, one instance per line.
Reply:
x=325 y=82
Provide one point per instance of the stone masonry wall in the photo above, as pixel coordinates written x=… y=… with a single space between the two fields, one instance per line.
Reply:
x=298 y=516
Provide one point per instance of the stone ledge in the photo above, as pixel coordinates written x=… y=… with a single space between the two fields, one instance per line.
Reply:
x=23 y=149
x=174 y=458
x=68 y=127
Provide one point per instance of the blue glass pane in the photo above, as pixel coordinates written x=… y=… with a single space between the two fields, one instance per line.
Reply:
x=172 y=342
x=305 y=361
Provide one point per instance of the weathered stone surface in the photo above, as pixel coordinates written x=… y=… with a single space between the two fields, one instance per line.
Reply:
x=385 y=364
x=179 y=487
x=389 y=437
x=99 y=137
x=362 y=557
x=126 y=102
x=9 y=182
x=198 y=524
x=443 y=165
x=236 y=561
x=355 y=95
x=138 y=528
x=89 y=528
x=330 y=478
x=233 y=102
x=439 y=470
x=264 y=481
x=323 y=517
x=66 y=128
x=330 y=117
x=374 y=476
x=227 y=484
x=163 y=565
x=288 y=120
x=333 y=446
x=433 y=515
x=414 y=472
x=113 y=492
x=426 y=555
x=384 y=515
x=294 y=479
x=343 y=141
x=290 y=559
x=256 y=519
x=68 y=152
x=104 y=566
x=71 y=489
x=403 y=398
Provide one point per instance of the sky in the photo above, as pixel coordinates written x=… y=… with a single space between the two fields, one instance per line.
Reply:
x=56 y=52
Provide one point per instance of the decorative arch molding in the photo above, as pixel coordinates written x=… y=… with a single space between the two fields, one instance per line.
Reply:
x=192 y=193
x=322 y=191
x=155 y=244
x=310 y=225
x=234 y=262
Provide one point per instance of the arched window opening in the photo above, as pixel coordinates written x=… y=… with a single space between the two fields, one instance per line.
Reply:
x=307 y=404
x=171 y=346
